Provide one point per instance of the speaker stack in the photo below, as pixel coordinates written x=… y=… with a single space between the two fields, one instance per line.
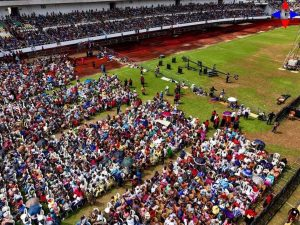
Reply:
x=160 y=63
x=173 y=60
x=179 y=70
x=168 y=66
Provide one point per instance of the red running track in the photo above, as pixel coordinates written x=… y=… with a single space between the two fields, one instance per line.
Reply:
x=166 y=45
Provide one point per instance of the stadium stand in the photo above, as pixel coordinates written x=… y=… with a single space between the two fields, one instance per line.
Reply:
x=34 y=30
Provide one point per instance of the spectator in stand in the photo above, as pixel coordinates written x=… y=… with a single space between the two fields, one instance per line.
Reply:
x=59 y=27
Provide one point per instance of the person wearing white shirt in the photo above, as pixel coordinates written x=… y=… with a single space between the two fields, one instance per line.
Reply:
x=130 y=220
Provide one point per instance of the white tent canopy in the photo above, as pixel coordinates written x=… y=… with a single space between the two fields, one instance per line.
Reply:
x=232 y=99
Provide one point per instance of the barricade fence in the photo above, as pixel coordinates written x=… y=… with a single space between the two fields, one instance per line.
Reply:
x=283 y=113
x=278 y=201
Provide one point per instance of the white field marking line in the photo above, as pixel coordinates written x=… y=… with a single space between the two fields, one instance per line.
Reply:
x=290 y=204
x=281 y=69
x=292 y=71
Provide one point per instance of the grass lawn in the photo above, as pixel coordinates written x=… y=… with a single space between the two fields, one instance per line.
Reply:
x=254 y=58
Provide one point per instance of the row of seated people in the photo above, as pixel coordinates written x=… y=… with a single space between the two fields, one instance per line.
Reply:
x=62 y=172
x=71 y=26
x=218 y=183
x=77 y=17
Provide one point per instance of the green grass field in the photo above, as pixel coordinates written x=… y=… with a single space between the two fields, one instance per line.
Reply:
x=254 y=58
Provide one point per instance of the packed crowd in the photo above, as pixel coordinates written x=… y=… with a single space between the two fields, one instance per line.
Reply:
x=21 y=80
x=31 y=159
x=78 y=17
x=44 y=177
x=54 y=28
x=217 y=184
x=83 y=163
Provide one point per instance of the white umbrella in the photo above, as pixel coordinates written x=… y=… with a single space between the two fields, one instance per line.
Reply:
x=232 y=99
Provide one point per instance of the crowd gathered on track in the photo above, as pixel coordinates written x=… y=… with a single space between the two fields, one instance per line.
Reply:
x=46 y=175
x=34 y=30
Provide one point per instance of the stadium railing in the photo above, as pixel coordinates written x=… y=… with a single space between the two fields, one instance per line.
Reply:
x=283 y=113
x=278 y=201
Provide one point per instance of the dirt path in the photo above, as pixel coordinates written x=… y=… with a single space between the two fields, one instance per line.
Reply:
x=288 y=136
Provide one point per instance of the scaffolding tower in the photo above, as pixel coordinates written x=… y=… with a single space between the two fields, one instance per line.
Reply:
x=292 y=60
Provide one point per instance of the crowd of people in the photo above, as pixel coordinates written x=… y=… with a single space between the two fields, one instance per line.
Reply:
x=31 y=159
x=217 y=184
x=58 y=27
x=21 y=80
x=62 y=173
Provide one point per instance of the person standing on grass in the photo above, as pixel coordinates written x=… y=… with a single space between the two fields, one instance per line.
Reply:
x=275 y=127
x=143 y=90
x=270 y=118
x=212 y=91
x=157 y=71
x=142 y=71
x=167 y=90
x=161 y=96
x=206 y=124
x=213 y=114
x=130 y=82
x=142 y=80
x=216 y=121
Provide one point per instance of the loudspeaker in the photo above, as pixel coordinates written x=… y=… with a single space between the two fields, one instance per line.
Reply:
x=168 y=66
x=205 y=70
x=173 y=60
x=162 y=56
x=160 y=63
x=179 y=70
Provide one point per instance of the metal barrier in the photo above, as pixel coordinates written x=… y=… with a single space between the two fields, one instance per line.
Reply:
x=278 y=201
x=282 y=114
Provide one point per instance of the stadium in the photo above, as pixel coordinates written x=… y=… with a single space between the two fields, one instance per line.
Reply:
x=149 y=112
